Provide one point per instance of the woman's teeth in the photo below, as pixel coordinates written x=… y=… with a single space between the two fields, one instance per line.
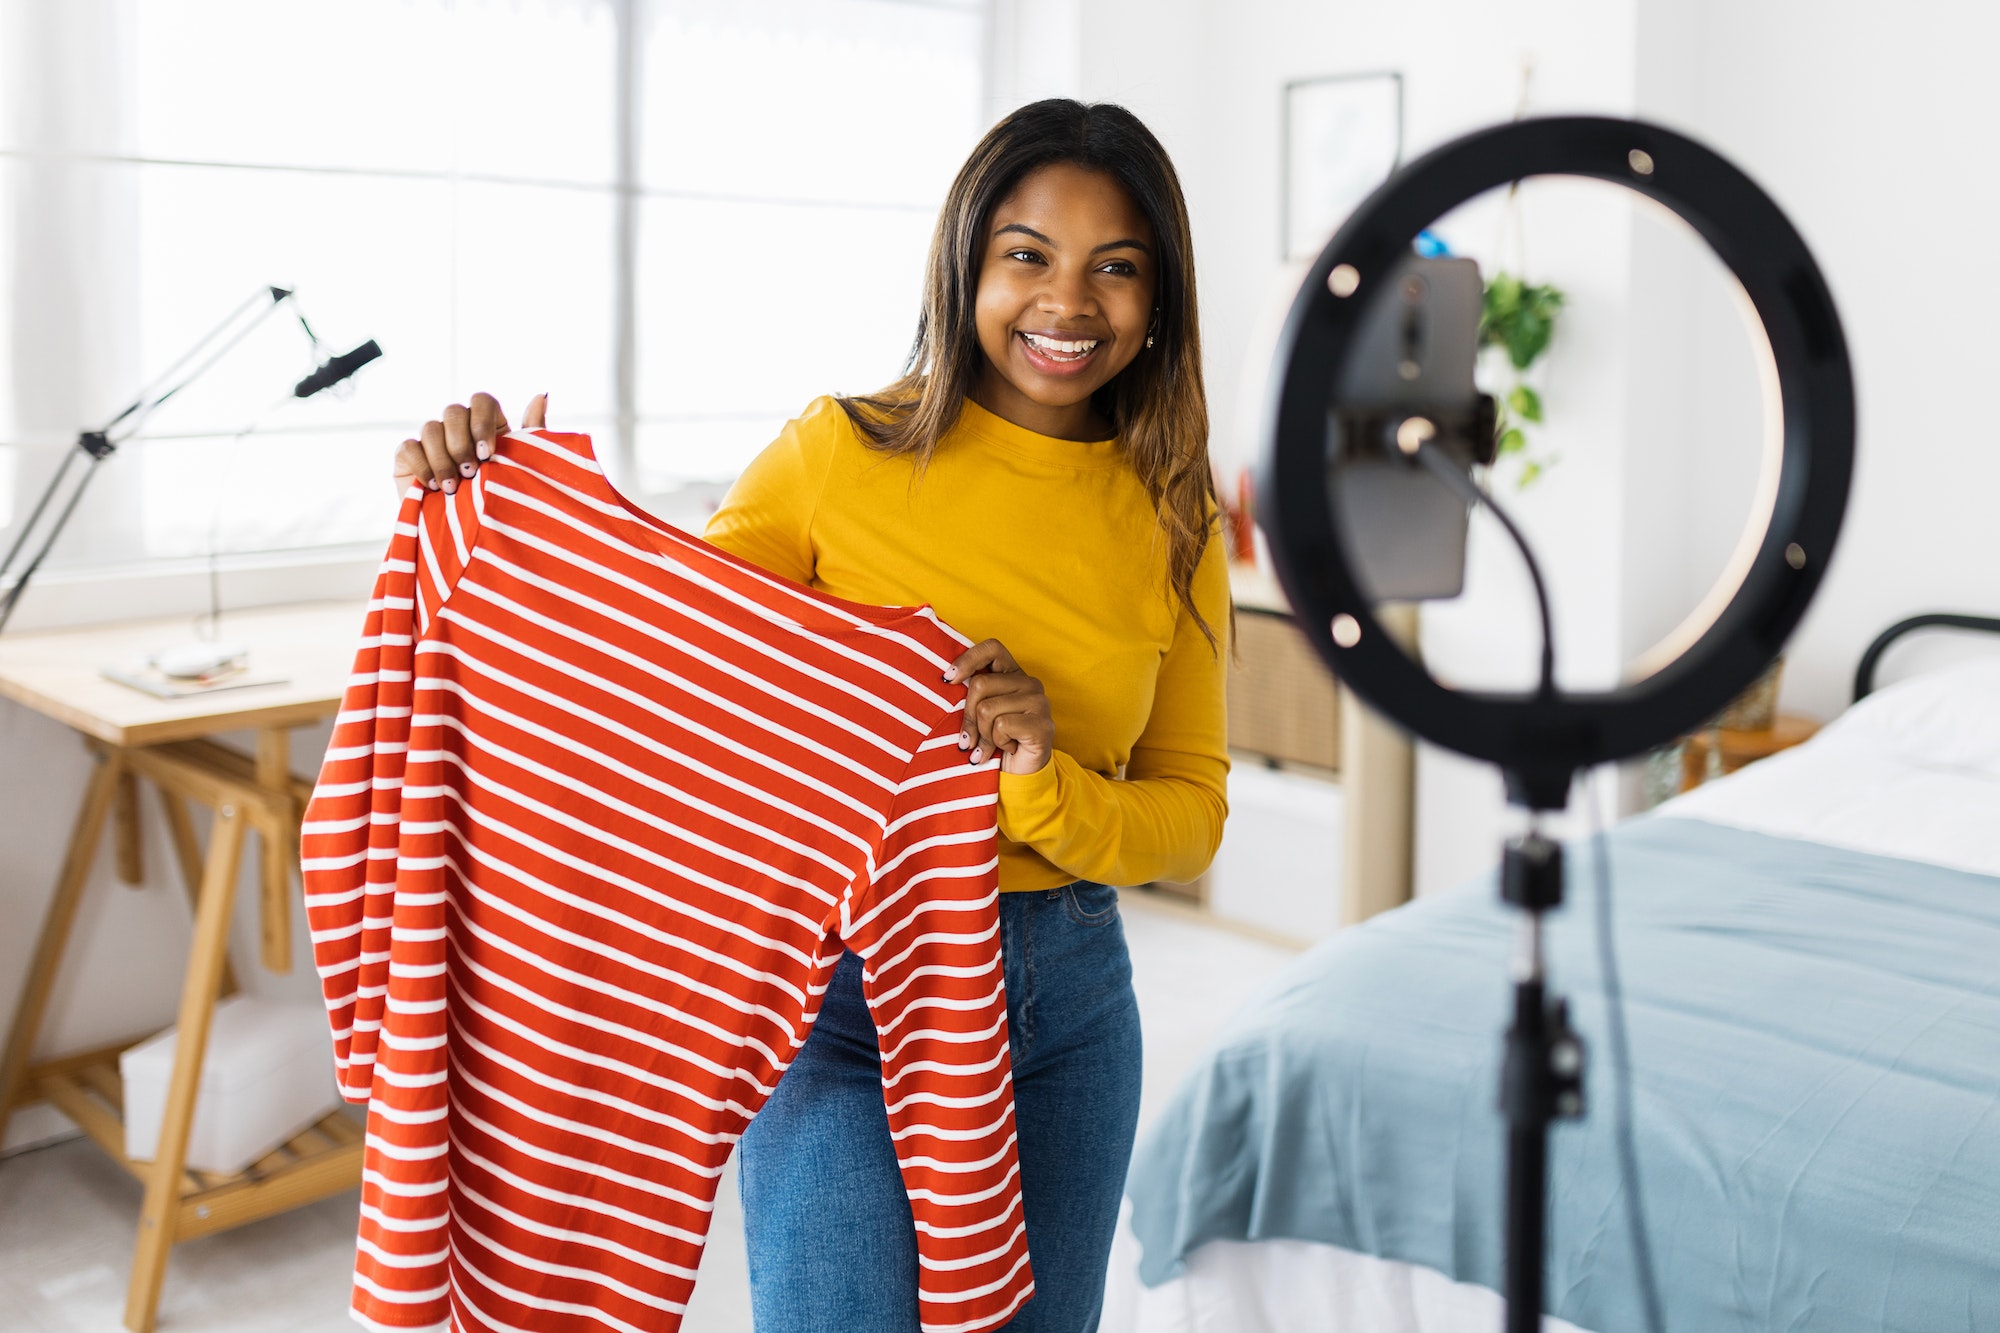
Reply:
x=1059 y=349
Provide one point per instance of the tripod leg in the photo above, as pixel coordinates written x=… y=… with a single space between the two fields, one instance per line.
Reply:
x=1526 y=1102
x=1531 y=1091
x=1527 y=1225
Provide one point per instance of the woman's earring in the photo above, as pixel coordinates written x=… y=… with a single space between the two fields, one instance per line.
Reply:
x=1149 y=340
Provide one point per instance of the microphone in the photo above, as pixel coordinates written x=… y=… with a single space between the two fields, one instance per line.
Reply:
x=337 y=369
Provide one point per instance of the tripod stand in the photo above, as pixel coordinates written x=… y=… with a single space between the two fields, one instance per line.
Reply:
x=1542 y=1078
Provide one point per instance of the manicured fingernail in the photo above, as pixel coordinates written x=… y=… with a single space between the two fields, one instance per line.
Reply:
x=963 y=740
x=484 y=449
x=973 y=758
x=951 y=673
x=432 y=483
x=450 y=485
x=468 y=469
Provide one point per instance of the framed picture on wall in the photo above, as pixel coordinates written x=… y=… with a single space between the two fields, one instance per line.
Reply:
x=1342 y=136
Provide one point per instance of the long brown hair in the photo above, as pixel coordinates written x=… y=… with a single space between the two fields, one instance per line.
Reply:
x=1156 y=403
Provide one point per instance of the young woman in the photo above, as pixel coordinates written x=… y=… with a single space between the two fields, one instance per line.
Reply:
x=1040 y=477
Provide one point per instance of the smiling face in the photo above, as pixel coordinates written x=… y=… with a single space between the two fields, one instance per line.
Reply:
x=1065 y=296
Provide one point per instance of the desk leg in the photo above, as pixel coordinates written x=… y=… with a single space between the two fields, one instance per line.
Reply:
x=125 y=820
x=161 y=1210
x=187 y=850
x=55 y=931
x=280 y=850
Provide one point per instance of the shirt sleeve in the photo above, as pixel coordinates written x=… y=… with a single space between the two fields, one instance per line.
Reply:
x=1163 y=819
x=927 y=930
x=348 y=842
x=766 y=518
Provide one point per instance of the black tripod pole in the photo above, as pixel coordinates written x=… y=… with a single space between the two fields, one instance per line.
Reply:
x=1541 y=1079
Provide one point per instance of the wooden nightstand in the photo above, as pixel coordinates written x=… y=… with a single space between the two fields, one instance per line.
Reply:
x=1719 y=750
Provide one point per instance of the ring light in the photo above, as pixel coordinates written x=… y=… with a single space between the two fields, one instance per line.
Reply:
x=1541 y=740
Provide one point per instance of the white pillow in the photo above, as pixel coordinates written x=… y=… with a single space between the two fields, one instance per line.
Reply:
x=1949 y=718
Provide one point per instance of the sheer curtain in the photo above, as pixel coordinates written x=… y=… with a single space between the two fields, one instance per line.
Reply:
x=452 y=178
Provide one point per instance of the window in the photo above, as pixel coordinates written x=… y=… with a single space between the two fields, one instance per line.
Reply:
x=792 y=161
x=510 y=195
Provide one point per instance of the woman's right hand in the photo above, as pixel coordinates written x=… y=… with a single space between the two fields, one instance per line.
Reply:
x=451 y=450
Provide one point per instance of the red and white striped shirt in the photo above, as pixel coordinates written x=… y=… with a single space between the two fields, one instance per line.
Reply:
x=602 y=805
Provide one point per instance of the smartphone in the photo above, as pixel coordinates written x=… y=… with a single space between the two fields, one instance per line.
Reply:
x=1414 y=352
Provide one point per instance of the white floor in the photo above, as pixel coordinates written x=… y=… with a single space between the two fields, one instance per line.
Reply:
x=67 y=1214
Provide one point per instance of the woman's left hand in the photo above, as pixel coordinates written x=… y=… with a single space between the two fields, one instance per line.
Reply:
x=1006 y=711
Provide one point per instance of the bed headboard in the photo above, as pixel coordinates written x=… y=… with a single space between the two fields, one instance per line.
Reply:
x=1864 y=675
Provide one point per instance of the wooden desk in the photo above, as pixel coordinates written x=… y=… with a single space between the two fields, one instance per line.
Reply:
x=166 y=741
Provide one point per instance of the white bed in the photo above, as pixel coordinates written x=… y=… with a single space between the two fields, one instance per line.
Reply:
x=1911 y=772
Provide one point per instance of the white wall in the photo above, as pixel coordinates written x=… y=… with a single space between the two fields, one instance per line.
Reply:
x=1033 y=48
x=1868 y=124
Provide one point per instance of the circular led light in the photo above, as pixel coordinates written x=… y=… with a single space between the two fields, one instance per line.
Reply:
x=1539 y=740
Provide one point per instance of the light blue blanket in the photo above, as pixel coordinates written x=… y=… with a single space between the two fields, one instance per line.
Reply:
x=1816 y=1040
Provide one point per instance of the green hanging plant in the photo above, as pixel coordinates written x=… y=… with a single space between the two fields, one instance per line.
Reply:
x=1519 y=318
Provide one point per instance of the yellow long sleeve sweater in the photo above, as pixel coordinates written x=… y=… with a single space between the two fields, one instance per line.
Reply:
x=1052 y=547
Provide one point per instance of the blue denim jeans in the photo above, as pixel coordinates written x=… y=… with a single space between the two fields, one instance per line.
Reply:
x=832 y=1244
